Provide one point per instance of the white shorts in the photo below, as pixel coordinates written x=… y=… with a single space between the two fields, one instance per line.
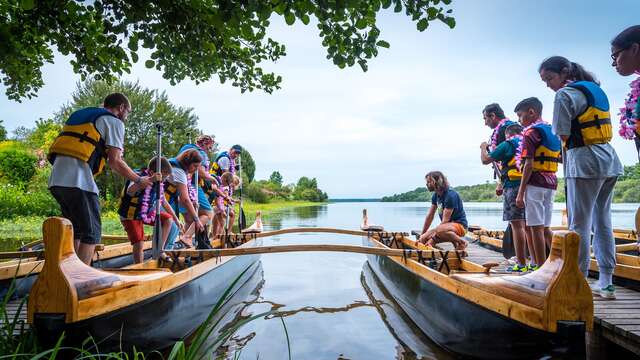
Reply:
x=538 y=205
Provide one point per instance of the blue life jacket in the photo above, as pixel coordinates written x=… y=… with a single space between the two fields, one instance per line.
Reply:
x=593 y=126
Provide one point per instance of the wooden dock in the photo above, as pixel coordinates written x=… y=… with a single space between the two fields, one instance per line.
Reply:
x=616 y=320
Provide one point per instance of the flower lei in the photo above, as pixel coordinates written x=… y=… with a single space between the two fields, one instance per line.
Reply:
x=630 y=113
x=147 y=216
x=520 y=148
x=494 y=135
x=192 y=189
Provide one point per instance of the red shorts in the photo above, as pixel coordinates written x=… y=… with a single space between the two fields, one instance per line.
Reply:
x=135 y=228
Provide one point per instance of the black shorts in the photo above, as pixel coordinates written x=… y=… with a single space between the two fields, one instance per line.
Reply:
x=509 y=209
x=82 y=208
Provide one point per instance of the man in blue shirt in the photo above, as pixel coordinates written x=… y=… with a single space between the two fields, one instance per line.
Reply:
x=453 y=220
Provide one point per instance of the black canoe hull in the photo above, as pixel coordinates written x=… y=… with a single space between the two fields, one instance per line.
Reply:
x=158 y=322
x=463 y=327
x=24 y=283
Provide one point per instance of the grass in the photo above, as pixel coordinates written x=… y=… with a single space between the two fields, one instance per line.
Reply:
x=23 y=229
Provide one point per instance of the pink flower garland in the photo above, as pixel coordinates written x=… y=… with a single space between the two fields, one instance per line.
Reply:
x=521 y=146
x=494 y=135
x=192 y=190
x=146 y=216
x=630 y=113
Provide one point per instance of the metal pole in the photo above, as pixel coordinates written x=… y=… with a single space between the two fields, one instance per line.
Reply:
x=157 y=228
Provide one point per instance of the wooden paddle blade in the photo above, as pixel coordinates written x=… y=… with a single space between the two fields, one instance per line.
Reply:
x=508 y=250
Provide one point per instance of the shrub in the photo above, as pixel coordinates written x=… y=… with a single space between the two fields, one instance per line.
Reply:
x=254 y=193
x=15 y=201
x=17 y=166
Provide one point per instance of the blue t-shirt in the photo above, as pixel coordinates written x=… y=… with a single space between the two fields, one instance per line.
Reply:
x=450 y=200
x=203 y=154
x=504 y=153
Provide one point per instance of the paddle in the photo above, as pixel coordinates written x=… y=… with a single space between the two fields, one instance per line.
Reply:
x=508 y=250
x=242 y=220
x=157 y=227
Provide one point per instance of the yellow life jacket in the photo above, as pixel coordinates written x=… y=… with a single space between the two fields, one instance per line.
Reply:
x=547 y=155
x=593 y=126
x=509 y=169
x=80 y=139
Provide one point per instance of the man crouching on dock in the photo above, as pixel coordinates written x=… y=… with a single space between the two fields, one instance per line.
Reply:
x=453 y=220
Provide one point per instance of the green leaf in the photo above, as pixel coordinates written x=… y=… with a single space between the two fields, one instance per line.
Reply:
x=398 y=6
x=149 y=63
x=422 y=25
x=386 y=4
x=133 y=43
x=362 y=23
x=289 y=18
x=134 y=57
x=383 y=44
x=305 y=19
x=27 y=4
x=451 y=22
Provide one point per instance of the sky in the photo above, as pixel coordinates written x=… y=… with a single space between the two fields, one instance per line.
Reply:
x=417 y=109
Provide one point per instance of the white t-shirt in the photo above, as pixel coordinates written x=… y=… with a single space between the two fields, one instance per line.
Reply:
x=68 y=171
x=178 y=176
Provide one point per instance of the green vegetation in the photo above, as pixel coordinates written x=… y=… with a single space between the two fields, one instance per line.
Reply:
x=627 y=190
x=196 y=40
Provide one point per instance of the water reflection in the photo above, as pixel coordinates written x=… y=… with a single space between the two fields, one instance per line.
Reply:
x=330 y=303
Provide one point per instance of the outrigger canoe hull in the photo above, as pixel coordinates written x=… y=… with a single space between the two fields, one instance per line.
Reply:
x=158 y=322
x=463 y=327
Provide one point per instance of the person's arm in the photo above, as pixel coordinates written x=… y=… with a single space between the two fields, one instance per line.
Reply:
x=135 y=188
x=567 y=104
x=167 y=207
x=184 y=200
x=446 y=215
x=120 y=167
x=429 y=218
x=484 y=154
x=526 y=175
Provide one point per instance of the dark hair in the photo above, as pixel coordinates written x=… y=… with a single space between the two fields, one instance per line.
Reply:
x=165 y=166
x=562 y=65
x=627 y=37
x=513 y=129
x=441 y=181
x=529 y=103
x=114 y=100
x=188 y=157
x=494 y=108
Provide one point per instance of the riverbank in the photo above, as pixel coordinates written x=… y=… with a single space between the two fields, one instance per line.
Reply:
x=23 y=229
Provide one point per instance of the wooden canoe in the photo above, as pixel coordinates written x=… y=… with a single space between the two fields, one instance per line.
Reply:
x=626 y=273
x=26 y=269
x=149 y=305
x=490 y=315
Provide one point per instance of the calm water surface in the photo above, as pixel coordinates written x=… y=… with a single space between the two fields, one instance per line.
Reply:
x=329 y=303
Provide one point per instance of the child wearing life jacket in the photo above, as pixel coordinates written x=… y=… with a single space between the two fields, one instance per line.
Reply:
x=582 y=119
x=138 y=207
x=220 y=209
x=510 y=176
x=538 y=157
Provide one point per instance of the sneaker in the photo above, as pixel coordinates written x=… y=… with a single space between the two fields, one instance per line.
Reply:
x=608 y=292
x=518 y=268
x=532 y=267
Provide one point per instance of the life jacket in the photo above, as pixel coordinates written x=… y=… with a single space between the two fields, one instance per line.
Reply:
x=130 y=205
x=215 y=167
x=593 y=126
x=81 y=139
x=547 y=155
x=509 y=170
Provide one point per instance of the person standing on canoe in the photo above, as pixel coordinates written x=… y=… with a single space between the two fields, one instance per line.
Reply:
x=581 y=118
x=510 y=176
x=538 y=156
x=453 y=220
x=182 y=168
x=137 y=208
x=495 y=119
x=226 y=162
x=90 y=138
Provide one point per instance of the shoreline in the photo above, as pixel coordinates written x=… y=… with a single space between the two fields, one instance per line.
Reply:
x=20 y=229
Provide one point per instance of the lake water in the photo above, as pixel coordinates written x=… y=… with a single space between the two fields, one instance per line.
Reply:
x=327 y=303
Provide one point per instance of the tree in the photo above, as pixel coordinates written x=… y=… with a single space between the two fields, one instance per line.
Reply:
x=276 y=178
x=248 y=165
x=149 y=107
x=3 y=131
x=187 y=39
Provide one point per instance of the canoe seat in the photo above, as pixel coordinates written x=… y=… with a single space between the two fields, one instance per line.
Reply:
x=513 y=287
x=530 y=289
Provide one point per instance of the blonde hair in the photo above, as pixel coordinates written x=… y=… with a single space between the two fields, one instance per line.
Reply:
x=226 y=178
x=236 y=181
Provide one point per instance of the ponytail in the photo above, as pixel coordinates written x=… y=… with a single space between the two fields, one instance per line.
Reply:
x=572 y=71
